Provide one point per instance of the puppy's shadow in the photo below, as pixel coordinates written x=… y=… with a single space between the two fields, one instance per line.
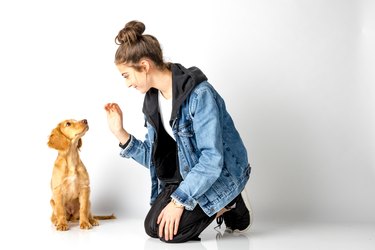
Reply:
x=107 y=188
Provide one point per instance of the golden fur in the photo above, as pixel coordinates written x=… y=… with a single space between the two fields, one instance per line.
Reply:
x=70 y=183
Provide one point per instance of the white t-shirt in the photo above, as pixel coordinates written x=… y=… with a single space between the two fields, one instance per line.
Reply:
x=165 y=109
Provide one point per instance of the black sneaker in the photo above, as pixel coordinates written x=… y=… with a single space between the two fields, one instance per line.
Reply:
x=239 y=218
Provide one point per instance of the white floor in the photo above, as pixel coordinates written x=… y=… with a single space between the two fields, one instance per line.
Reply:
x=124 y=233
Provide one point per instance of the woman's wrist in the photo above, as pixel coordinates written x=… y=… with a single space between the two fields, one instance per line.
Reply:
x=123 y=136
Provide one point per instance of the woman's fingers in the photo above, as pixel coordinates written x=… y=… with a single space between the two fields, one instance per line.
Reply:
x=161 y=228
x=176 y=225
x=112 y=107
x=166 y=227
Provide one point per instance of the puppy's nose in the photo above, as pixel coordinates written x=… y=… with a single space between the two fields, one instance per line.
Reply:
x=84 y=121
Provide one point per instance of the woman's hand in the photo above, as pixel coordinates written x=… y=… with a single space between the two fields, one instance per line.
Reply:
x=169 y=221
x=115 y=123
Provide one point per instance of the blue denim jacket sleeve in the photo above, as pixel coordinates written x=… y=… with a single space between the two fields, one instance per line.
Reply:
x=206 y=118
x=138 y=150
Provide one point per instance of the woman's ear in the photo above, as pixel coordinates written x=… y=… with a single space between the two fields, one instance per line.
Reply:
x=57 y=140
x=145 y=65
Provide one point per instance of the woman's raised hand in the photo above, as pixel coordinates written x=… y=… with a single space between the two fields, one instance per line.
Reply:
x=115 y=122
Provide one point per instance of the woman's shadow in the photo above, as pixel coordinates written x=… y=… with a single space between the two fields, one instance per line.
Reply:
x=230 y=240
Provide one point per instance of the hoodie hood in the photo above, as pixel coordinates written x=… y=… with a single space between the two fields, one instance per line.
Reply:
x=184 y=80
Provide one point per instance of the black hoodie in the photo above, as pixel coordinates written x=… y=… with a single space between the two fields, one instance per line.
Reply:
x=164 y=155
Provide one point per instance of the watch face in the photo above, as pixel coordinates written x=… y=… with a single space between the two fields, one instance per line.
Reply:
x=177 y=204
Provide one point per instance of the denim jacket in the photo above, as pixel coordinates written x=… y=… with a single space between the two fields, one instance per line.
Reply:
x=212 y=158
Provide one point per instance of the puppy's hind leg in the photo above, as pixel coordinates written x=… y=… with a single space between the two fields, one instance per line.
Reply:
x=93 y=220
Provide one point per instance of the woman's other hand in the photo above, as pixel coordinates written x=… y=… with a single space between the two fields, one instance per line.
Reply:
x=169 y=221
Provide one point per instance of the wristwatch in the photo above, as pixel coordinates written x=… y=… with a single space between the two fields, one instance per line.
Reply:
x=177 y=204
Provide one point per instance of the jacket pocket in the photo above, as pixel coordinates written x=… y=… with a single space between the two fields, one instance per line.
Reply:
x=187 y=139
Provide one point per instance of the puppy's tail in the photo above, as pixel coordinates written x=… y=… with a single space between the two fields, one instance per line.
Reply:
x=104 y=217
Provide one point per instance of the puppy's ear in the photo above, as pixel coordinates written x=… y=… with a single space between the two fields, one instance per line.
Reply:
x=57 y=140
x=79 y=143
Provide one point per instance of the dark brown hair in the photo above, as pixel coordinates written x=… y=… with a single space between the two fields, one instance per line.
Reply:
x=134 y=46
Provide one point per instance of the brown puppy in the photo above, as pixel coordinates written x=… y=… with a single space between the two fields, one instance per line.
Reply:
x=70 y=182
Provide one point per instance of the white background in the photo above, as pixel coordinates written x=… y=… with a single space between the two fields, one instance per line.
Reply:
x=297 y=77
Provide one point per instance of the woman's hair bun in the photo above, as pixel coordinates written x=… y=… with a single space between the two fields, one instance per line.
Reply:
x=131 y=33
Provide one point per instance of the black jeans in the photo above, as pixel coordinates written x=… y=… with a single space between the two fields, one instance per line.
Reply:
x=192 y=223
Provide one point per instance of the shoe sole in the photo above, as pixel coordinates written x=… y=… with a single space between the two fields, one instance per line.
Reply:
x=246 y=200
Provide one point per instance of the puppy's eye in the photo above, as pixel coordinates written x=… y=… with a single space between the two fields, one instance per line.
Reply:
x=68 y=124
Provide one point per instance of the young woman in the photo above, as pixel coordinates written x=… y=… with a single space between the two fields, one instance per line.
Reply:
x=196 y=157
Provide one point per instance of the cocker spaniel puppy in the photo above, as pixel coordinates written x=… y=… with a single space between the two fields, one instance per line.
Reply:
x=70 y=183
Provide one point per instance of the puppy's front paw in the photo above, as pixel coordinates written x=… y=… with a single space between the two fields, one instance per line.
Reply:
x=85 y=225
x=62 y=226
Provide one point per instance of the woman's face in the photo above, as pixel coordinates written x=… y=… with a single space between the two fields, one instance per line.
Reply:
x=134 y=78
